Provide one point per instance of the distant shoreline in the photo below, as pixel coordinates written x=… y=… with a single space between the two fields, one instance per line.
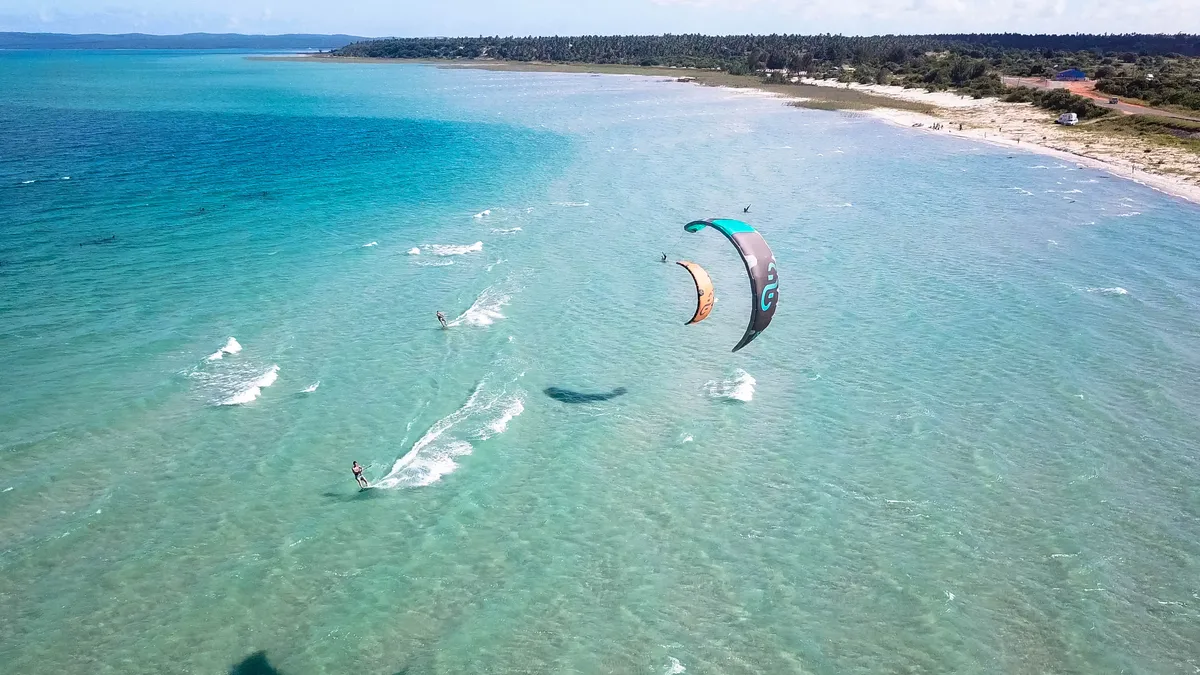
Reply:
x=1020 y=126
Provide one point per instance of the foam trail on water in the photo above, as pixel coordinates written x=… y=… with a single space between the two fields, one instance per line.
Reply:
x=1115 y=290
x=414 y=251
x=254 y=390
x=738 y=387
x=231 y=347
x=311 y=388
x=433 y=455
x=485 y=310
x=449 y=249
x=514 y=407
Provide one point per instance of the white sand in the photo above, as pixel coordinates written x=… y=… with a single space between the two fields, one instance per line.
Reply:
x=1021 y=126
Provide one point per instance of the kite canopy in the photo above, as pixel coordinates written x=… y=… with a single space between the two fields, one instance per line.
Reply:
x=760 y=266
x=704 y=290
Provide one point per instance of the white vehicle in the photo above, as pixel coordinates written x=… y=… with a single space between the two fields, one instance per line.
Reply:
x=1069 y=119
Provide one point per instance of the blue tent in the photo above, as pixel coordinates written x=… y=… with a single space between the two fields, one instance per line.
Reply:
x=1071 y=74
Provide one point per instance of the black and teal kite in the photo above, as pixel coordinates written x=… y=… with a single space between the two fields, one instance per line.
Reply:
x=760 y=266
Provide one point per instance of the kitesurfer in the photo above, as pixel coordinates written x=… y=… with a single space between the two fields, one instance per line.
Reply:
x=664 y=258
x=442 y=318
x=362 y=482
x=747 y=209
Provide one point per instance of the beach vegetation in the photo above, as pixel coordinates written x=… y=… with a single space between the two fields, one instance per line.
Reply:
x=1160 y=131
x=1057 y=100
x=1160 y=69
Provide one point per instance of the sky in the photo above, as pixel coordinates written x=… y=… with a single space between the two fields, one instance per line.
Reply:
x=408 y=18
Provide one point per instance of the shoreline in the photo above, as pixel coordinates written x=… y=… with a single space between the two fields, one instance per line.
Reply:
x=1174 y=172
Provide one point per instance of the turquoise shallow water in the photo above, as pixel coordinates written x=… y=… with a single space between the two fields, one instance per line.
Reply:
x=966 y=444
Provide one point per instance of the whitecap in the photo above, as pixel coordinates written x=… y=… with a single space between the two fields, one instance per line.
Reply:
x=433 y=263
x=232 y=346
x=374 y=243
x=66 y=178
x=254 y=389
x=1040 y=166
x=414 y=251
x=738 y=387
x=485 y=212
x=27 y=182
x=675 y=667
x=571 y=204
x=311 y=388
x=685 y=438
x=505 y=230
x=1127 y=215
x=1021 y=190
x=449 y=249
x=1115 y=290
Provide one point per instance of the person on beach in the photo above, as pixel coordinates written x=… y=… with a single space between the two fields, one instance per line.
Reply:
x=362 y=481
x=442 y=319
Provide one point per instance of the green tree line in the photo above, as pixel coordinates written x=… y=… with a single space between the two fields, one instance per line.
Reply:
x=970 y=63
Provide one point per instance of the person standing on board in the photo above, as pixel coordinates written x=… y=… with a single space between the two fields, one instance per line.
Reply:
x=442 y=318
x=358 y=476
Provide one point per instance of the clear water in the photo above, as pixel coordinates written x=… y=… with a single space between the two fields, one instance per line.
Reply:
x=968 y=443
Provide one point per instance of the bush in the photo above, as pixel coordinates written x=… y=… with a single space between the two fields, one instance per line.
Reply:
x=1058 y=100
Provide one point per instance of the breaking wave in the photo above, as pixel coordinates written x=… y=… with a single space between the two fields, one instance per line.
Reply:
x=311 y=388
x=488 y=412
x=485 y=212
x=254 y=389
x=447 y=249
x=414 y=251
x=571 y=204
x=374 y=243
x=505 y=230
x=1115 y=290
x=232 y=346
x=738 y=387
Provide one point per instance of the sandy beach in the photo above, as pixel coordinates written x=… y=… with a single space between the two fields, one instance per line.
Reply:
x=1021 y=126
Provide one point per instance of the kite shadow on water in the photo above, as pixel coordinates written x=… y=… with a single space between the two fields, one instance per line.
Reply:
x=569 y=396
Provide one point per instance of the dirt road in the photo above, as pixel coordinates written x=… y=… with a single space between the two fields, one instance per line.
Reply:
x=1087 y=89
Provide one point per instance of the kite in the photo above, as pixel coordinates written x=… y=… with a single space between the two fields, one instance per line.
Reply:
x=760 y=266
x=704 y=291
